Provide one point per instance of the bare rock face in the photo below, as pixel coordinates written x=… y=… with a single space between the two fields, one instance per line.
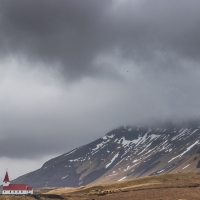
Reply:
x=121 y=154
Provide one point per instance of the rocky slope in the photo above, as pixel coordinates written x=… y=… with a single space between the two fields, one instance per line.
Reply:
x=123 y=153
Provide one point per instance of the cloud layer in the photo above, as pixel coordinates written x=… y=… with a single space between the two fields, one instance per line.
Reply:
x=73 y=34
x=70 y=71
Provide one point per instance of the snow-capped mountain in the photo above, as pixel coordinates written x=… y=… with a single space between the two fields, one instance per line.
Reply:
x=123 y=153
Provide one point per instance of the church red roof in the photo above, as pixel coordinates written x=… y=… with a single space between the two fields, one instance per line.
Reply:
x=29 y=188
x=15 y=187
x=6 y=179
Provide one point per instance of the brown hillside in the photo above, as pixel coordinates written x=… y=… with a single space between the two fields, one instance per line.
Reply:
x=179 y=186
x=161 y=187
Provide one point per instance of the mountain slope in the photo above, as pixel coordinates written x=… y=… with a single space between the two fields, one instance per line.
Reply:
x=121 y=154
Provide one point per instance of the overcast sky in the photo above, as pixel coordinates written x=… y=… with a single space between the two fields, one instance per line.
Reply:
x=72 y=70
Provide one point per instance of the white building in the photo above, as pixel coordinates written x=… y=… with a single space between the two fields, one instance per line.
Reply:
x=15 y=188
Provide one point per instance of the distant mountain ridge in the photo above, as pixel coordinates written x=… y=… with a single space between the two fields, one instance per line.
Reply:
x=123 y=153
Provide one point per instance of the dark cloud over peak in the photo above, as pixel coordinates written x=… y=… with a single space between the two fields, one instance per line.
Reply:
x=75 y=33
x=62 y=32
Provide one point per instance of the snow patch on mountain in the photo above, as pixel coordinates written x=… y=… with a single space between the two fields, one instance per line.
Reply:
x=112 y=160
x=186 y=166
x=64 y=177
x=122 y=178
x=197 y=142
x=70 y=152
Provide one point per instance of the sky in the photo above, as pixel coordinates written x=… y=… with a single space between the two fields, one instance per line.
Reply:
x=71 y=71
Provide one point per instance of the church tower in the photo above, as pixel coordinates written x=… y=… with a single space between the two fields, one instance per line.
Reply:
x=6 y=180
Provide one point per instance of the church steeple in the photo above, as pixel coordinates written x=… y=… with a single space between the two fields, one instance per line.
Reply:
x=6 y=180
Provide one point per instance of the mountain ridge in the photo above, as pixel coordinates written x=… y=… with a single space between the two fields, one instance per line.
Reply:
x=123 y=153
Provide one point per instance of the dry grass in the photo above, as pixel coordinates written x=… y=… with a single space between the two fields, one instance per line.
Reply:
x=43 y=190
x=161 y=187
x=10 y=197
x=180 y=186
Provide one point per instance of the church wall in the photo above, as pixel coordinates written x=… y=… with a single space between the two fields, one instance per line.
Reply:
x=15 y=192
x=29 y=191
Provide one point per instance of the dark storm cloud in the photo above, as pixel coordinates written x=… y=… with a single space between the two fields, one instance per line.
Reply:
x=64 y=32
x=154 y=45
x=73 y=34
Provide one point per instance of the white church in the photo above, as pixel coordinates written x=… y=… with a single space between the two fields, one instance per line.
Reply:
x=15 y=188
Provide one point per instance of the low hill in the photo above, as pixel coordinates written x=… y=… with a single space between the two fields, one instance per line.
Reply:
x=182 y=186
x=179 y=186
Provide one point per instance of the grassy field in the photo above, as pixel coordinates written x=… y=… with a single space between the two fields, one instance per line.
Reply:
x=180 y=186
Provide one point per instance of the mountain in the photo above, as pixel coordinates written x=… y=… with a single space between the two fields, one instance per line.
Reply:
x=123 y=153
